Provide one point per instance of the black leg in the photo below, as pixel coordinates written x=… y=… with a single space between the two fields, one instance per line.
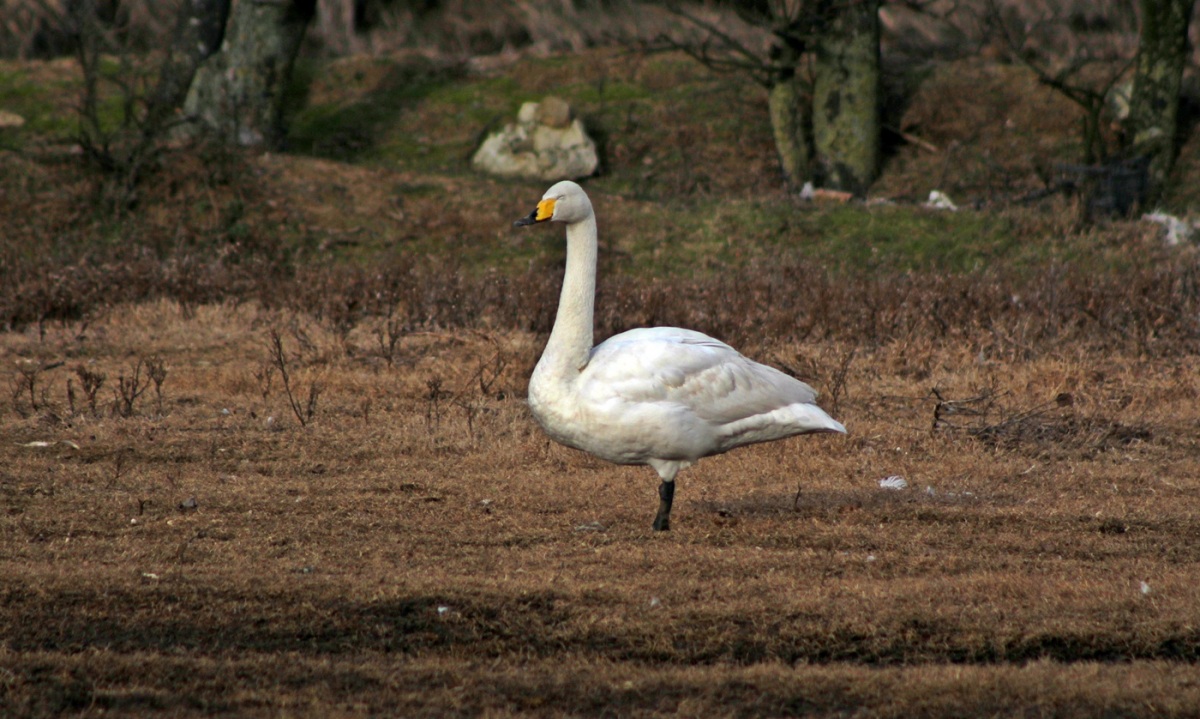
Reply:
x=666 y=495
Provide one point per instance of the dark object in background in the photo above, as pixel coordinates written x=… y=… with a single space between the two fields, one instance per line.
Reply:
x=1113 y=189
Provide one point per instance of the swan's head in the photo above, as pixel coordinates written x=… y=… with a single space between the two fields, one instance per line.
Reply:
x=564 y=202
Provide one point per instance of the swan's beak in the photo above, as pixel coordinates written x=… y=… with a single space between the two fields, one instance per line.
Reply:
x=544 y=211
x=528 y=220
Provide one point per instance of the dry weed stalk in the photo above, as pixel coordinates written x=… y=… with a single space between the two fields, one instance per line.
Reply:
x=473 y=403
x=433 y=399
x=130 y=389
x=157 y=370
x=838 y=387
x=26 y=382
x=304 y=413
x=90 y=382
x=263 y=377
x=120 y=464
x=388 y=334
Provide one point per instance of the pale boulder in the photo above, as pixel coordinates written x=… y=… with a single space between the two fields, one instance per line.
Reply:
x=543 y=144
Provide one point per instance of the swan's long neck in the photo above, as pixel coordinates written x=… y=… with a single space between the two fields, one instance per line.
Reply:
x=571 y=339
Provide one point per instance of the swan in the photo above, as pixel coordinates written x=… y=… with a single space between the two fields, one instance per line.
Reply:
x=658 y=396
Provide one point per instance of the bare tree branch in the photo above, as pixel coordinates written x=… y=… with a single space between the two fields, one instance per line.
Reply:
x=760 y=70
x=715 y=31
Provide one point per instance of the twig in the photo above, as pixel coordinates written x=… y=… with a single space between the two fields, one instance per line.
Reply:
x=839 y=378
x=914 y=140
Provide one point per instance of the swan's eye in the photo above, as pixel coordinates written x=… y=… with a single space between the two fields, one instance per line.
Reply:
x=545 y=209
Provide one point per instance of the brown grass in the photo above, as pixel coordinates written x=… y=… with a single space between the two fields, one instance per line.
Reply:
x=431 y=552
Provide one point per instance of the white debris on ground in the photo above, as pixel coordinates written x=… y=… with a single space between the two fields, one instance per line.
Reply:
x=939 y=201
x=42 y=444
x=1177 y=230
x=894 y=482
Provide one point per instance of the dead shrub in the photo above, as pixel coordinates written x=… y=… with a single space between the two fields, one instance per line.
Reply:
x=24 y=386
x=1049 y=426
x=90 y=382
x=1152 y=307
x=129 y=389
x=182 y=247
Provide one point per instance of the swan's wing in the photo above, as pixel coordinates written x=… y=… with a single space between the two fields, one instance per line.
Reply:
x=708 y=377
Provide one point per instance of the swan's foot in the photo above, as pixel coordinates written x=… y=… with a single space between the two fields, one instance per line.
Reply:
x=666 y=495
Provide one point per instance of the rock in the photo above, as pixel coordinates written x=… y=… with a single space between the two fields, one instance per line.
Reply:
x=10 y=119
x=544 y=144
x=554 y=112
x=527 y=115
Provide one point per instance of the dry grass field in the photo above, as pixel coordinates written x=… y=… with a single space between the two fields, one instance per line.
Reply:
x=418 y=555
x=419 y=547
x=385 y=531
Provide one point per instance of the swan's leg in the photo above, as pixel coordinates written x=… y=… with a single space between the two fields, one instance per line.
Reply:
x=667 y=469
x=666 y=495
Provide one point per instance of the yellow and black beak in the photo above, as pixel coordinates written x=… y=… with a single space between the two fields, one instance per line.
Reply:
x=543 y=212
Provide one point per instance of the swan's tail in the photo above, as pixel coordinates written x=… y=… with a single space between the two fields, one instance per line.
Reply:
x=787 y=421
x=814 y=419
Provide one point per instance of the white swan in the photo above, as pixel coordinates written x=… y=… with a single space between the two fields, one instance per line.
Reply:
x=660 y=396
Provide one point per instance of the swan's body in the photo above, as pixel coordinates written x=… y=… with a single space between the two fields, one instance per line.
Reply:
x=660 y=396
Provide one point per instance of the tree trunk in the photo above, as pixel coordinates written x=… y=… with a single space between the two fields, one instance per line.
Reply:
x=846 y=126
x=785 y=103
x=238 y=93
x=198 y=34
x=787 y=122
x=1154 y=107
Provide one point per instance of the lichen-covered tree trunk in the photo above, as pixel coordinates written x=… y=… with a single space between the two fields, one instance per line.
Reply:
x=238 y=92
x=1154 y=107
x=785 y=102
x=846 y=126
x=198 y=34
